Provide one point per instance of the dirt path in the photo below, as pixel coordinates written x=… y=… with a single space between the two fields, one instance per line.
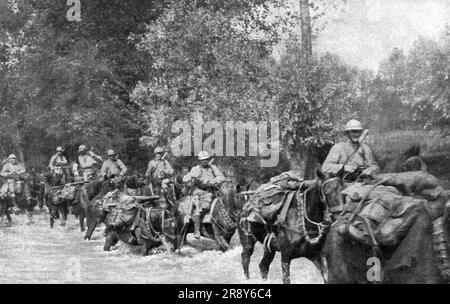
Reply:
x=37 y=254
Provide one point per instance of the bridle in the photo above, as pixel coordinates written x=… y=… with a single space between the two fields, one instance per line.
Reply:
x=323 y=197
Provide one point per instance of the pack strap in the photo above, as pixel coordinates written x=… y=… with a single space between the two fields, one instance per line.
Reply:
x=286 y=202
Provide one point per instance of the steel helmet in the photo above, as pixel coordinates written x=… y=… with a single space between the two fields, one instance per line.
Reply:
x=59 y=149
x=158 y=150
x=203 y=155
x=353 y=125
x=11 y=156
x=82 y=148
x=111 y=152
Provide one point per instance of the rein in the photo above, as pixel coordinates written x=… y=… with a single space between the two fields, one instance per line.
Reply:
x=303 y=217
x=155 y=234
x=226 y=214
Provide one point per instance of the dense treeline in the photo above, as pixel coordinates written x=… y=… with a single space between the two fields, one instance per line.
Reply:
x=123 y=75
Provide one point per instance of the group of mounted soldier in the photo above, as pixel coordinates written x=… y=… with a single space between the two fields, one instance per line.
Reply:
x=159 y=178
x=289 y=214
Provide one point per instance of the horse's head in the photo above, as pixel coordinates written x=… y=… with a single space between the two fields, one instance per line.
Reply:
x=331 y=192
x=134 y=182
x=48 y=177
x=228 y=192
x=112 y=184
x=243 y=194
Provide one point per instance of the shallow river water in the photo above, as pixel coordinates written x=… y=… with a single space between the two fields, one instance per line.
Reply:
x=37 y=254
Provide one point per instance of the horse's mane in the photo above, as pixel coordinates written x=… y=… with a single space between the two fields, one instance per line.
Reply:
x=134 y=182
x=414 y=150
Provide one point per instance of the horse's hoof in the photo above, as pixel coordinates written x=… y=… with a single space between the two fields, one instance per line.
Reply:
x=106 y=249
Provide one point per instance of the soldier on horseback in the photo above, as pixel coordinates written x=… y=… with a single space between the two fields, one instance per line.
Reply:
x=113 y=167
x=13 y=172
x=87 y=160
x=58 y=165
x=204 y=178
x=352 y=157
x=159 y=172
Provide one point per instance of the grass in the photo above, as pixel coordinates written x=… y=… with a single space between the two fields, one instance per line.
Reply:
x=435 y=149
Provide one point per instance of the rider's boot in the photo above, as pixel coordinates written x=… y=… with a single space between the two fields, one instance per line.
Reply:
x=197 y=223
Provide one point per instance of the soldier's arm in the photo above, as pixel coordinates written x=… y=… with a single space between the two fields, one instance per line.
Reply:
x=194 y=173
x=331 y=164
x=169 y=169
x=371 y=163
x=150 y=169
x=103 y=170
x=219 y=177
x=82 y=162
x=52 y=160
x=64 y=160
x=123 y=168
x=5 y=171
x=96 y=157
x=21 y=169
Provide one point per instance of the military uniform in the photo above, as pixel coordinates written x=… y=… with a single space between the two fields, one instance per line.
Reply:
x=8 y=188
x=350 y=154
x=159 y=169
x=205 y=176
x=87 y=163
x=56 y=165
x=111 y=168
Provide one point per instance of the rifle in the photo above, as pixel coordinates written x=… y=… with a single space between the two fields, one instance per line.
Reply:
x=143 y=199
x=70 y=184
x=363 y=136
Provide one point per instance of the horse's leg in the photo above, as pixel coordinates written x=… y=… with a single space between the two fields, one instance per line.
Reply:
x=220 y=239
x=8 y=215
x=111 y=239
x=52 y=211
x=90 y=230
x=248 y=246
x=265 y=263
x=81 y=220
x=30 y=214
x=321 y=263
x=286 y=267
x=63 y=214
x=336 y=255
x=146 y=246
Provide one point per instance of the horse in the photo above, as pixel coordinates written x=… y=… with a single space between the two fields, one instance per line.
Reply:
x=301 y=234
x=152 y=227
x=59 y=206
x=93 y=207
x=224 y=215
x=23 y=200
x=349 y=261
x=36 y=185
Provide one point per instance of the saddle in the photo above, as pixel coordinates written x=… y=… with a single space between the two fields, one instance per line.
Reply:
x=271 y=201
x=381 y=214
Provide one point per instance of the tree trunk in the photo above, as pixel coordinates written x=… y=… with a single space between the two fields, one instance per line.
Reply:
x=296 y=157
x=19 y=147
x=308 y=153
x=306 y=29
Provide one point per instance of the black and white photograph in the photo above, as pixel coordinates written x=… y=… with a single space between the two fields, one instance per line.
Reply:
x=218 y=142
